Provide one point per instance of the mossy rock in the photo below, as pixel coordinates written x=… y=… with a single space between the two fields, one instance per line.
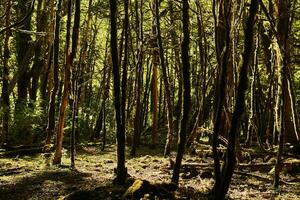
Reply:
x=144 y=189
x=137 y=190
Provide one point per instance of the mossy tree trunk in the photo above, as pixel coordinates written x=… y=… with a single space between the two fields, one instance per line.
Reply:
x=23 y=41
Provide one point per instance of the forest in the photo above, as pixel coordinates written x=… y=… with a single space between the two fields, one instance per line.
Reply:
x=149 y=99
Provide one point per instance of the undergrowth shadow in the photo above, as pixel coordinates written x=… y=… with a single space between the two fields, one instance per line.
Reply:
x=35 y=183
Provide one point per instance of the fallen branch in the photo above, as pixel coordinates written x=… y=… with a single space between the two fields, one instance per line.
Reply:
x=262 y=178
x=241 y=165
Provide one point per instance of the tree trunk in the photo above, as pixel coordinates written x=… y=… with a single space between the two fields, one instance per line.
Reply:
x=165 y=79
x=230 y=157
x=139 y=73
x=222 y=42
x=75 y=75
x=22 y=45
x=104 y=84
x=5 y=78
x=178 y=66
x=283 y=42
x=121 y=170
x=51 y=110
x=186 y=90
x=155 y=63
x=203 y=64
x=41 y=25
x=69 y=56
x=124 y=68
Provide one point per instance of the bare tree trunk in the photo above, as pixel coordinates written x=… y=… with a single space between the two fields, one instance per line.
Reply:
x=51 y=110
x=124 y=70
x=121 y=169
x=139 y=73
x=178 y=66
x=5 y=73
x=75 y=75
x=41 y=25
x=202 y=76
x=222 y=42
x=186 y=90
x=104 y=84
x=155 y=63
x=154 y=104
x=283 y=42
x=69 y=56
x=165 y=78
x=230 y=157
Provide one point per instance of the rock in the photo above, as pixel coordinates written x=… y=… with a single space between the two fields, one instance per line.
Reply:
x=137 y=190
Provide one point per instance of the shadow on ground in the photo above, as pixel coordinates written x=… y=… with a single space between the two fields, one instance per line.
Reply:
x=40 y=185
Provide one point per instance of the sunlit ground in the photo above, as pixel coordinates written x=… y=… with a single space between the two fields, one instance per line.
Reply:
x=29 y=177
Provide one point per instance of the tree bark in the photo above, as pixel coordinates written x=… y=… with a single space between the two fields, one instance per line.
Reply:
x=165 y=79
x=222 y=42
x=139 y=73
x=186 y=90
x=66 y=89
x=121 y=170
x=230 y=157
x=155 y=63
x=5 y=73
x=75 y=75
x=41 y=25
x=51 y=110
x=22 y=44
x=283 y=42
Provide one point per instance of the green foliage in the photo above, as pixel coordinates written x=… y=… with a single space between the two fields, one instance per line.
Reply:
x=28 y=125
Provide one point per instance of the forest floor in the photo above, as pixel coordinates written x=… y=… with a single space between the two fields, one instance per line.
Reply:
x=29 y=177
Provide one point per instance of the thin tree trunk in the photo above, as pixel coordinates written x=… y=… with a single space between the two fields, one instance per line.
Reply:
x=5 y=73
x=121 y=170
x=283 y=36
x=105 y=82
x=186 y=90
x=51 y=111
x=124 y=70
x=139 y=73
x=230 y=157
x=75 y=75
x=66 y=89
x=222 y=41
x=104 y=128
x=176 y=46
x=166 y=80
x=203 y=55
x=155 y=63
